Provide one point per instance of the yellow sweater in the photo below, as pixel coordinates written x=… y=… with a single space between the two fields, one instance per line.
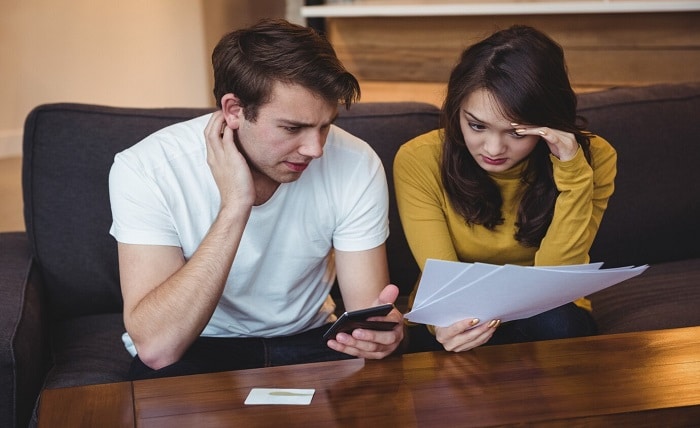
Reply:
x=435 y=230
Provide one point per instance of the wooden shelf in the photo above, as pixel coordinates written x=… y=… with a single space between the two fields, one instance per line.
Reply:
x=427 y=92
x=602 y=50
x=398 y=8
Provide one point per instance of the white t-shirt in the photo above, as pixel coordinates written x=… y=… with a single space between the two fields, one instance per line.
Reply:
x=163 y=193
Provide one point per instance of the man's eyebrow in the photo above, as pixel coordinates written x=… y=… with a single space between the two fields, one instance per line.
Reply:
x=299 y=124
x=294 y=123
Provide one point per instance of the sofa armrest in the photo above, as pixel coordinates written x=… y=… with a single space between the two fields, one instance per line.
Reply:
x=23 y=331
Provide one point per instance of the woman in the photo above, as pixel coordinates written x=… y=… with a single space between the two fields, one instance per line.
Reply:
x=510 y=178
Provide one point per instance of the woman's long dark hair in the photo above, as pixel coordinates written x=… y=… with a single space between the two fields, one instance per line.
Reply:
x=524 y=71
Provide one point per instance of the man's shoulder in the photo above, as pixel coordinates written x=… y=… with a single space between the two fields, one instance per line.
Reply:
x=175 y=142
x=348 y=163
x=346 y=148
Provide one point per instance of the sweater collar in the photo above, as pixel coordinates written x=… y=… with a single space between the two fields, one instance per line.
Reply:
x=514 y=172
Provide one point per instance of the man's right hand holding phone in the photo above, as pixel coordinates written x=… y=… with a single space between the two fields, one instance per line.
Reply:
x=372 y=343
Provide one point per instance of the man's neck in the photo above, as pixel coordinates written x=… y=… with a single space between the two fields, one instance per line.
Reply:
x=265 y=187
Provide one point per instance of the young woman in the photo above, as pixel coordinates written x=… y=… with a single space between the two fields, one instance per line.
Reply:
x=511 y=177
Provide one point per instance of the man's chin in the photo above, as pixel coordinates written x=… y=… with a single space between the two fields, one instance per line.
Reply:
x=289 y=178
x=286 y=177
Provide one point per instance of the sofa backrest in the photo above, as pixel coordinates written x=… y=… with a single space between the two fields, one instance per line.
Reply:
x=653 y=215
x=68 y=151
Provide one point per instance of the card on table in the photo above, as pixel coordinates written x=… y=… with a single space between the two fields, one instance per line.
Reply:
x=291 y=396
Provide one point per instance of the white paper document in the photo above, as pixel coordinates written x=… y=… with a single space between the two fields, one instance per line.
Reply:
x=453 y=291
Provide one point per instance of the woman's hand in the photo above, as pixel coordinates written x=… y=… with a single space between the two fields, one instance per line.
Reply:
x=562 y=144
x=463 y=336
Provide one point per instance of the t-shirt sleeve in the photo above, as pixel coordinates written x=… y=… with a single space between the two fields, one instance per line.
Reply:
x=139 y=211
x=363 y=198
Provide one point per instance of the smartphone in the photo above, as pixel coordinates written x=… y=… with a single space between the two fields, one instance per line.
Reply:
x=349 y=321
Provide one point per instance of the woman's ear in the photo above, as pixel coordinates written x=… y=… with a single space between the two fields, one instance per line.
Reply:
x=233 y=111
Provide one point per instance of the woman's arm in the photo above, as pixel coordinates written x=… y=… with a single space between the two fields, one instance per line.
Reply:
x=584 y=193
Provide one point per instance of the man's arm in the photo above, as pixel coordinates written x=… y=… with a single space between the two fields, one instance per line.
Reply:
x=363 y=277
x=168 y=301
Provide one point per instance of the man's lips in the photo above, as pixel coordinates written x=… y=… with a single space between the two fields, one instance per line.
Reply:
x=297 y=166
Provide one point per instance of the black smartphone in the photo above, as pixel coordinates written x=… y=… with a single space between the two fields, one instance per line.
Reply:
x=349 y=321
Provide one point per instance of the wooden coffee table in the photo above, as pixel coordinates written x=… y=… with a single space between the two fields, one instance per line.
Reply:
x=641 y=379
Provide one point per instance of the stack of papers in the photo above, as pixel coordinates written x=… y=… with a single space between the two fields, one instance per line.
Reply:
x=452 y=291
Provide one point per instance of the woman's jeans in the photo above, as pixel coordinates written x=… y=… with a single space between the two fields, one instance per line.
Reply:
x=216 y=354
x=565 y=321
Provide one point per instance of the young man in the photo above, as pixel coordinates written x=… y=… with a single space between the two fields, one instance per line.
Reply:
x=231 y=227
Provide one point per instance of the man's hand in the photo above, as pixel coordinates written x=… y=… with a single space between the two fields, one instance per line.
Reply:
x=228 y=165
x=373 y=344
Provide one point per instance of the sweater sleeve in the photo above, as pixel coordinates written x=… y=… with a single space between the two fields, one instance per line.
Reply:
x=421 y=202
x=584 y=193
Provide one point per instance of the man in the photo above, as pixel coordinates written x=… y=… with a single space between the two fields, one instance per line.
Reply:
x=231 y=227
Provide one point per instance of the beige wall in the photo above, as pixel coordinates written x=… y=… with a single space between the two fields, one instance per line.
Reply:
x=140 y=53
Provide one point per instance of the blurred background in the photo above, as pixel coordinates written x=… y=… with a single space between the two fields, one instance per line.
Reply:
x=153 y=53
x=156 y=53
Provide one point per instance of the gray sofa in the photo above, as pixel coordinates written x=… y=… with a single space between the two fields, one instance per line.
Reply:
x=60 y=316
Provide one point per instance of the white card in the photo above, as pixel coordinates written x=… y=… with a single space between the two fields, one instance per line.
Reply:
x=280 y=396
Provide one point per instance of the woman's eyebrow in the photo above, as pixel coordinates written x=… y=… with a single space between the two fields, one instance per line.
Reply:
x=471 y=116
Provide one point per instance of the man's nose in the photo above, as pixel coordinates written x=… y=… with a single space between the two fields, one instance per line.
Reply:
x=312 y=146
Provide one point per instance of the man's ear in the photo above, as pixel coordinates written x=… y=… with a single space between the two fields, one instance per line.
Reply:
x=233 y=111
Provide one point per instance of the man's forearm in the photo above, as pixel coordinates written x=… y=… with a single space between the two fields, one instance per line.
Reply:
x=167 y=320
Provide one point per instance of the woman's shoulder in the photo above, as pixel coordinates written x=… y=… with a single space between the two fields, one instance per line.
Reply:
x=425 y=145
x=603 y=157
x=601 y=149
x=600 y=145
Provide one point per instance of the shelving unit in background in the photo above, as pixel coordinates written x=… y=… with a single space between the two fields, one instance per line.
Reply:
x=405 y=49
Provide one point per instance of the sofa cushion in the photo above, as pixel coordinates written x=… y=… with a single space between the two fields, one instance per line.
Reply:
x=667 y=295
x=88 y=350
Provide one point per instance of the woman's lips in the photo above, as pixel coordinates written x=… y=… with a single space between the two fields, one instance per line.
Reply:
x=491 y=161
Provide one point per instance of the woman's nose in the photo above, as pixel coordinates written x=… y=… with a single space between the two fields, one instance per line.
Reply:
x=493 y=145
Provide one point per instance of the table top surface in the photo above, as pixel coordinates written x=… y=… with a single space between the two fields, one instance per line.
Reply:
x=623 y=378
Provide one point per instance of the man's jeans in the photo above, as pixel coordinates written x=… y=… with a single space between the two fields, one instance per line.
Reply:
x=215 y=354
